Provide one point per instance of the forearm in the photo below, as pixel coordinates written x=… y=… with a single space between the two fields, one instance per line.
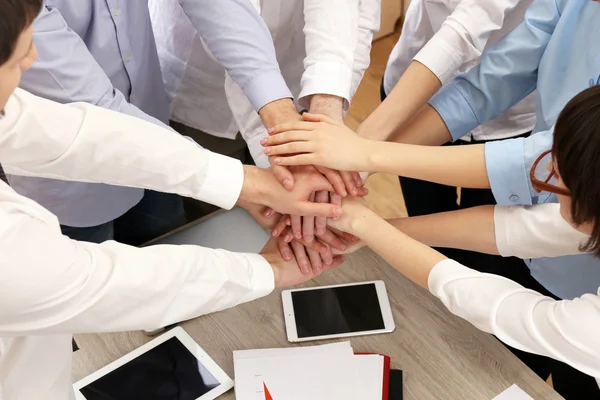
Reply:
x=411 y=258
x=469 y=229
x=461 y=166
x=411 y=93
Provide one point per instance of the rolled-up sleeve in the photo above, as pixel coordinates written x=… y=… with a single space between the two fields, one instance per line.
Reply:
x=506 y=74
x=239 y=39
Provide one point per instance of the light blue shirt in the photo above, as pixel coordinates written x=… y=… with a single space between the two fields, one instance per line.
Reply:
x=103 y=52
x=556 y=51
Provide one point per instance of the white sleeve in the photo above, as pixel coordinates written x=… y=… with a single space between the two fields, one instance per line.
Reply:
x=464 y=35
x=535 y=231
x=369 y=19
x=330 y=28
x=82 y=142
x=51 y=284
x=565 y=330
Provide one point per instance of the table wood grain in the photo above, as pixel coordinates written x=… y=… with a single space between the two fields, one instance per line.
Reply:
x=443 y=357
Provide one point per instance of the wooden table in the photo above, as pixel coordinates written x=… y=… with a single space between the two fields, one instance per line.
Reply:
x=443 y=357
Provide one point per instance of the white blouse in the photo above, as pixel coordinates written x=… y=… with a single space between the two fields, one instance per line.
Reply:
x=566 y=330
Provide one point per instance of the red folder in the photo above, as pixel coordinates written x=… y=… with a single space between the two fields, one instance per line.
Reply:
x=386 y=374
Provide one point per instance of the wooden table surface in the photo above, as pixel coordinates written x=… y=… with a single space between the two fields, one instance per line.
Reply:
x=443 y=357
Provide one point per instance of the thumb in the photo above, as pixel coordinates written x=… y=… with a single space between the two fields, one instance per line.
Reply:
x=283 y=176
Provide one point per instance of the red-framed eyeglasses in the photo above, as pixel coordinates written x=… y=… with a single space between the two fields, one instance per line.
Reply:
x=545 y=186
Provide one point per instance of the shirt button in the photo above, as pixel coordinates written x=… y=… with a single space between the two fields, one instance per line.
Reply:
x=592 y=82
x=127 y=56
x=132 y=97
x=116 y=12
x=514 y=198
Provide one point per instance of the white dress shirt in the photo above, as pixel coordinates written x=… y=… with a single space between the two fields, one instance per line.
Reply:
x=52 y=286
x=565 y=330
x=321 y=46
x=448 y=37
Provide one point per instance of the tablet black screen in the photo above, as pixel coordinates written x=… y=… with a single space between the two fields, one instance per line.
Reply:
x=167 y=372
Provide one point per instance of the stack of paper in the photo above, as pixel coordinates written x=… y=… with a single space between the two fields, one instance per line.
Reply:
x=326 y=372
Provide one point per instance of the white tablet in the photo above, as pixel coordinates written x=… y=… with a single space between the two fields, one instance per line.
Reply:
x=172 y=366
x=337 y=311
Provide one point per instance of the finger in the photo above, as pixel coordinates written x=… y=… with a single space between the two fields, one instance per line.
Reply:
x=357 y=179
x=362 y=191
x=283 y=176
x=315 y=261
x=287 y=235
x=292 y=126
x=284 y=249
x=350 y=183
x=337 y=260
x=315 y=245
x=308 y=224
x=319 y=118
x=280 y=226
x=321 y=222
x=290 y=148
x=336 y=199
x=268 y=212
x=301 y=257
x=344 y=235
x=335 y=179
x=319 y=210
x=332 y=240
x=327 y=256
x=287 y=137
x=297 y=225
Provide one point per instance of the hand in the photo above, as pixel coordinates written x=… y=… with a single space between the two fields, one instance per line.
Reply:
x=355 y=215
x=326 y=143
x=287 y=273
x=279 y=112
x=261 y=187
x=331 y=238
x=265 y=216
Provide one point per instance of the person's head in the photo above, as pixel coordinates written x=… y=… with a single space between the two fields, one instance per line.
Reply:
x=17 y=51
x=576 y=163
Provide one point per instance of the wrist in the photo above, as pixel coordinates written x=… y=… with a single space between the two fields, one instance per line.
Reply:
x=326 y=104
x=278 y=112
x=363 y=224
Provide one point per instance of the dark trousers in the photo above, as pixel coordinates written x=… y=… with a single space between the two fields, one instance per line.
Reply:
x=234 y=148
x=156 y=214
x=422 y=198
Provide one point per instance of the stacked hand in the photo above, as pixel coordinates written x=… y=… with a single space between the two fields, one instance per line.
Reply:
x=307 y=236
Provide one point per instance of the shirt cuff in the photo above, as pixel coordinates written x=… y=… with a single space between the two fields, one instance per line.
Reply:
x=223 y=181
x=455 y=110
x=266 y=88
x=331 y=78
x=501 y=231
x=440 y=56
x=505 y=164
x=263 y=277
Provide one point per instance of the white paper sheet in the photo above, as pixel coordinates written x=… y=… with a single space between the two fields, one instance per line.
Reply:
x=513 y=393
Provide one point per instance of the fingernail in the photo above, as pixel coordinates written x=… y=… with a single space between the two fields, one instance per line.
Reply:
x=287 y=183
x=271 y=130
x=287 y=256
x=298 y=235
x=320 y=231
x=267 y=150
x=353 y=191
x=274 y=233
x=343 y=247
x=344 y=193
x=337 y=212
x=277 y=161
x=309 y=239
x=268 y=213
x=263 y=141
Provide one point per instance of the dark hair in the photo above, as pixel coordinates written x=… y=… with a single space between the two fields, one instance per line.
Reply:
x=576 y=149
x=15 y=17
